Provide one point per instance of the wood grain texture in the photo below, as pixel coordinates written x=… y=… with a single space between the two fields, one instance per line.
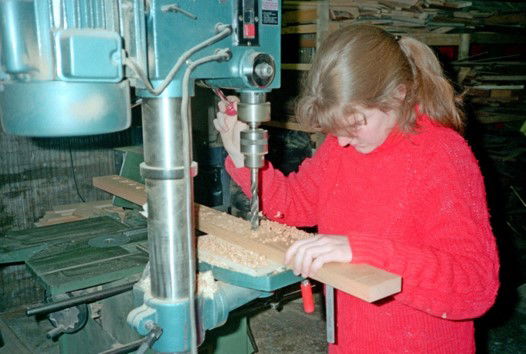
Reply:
x=361 y=280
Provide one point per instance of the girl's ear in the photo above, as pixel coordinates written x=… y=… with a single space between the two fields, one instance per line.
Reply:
x=400 y=92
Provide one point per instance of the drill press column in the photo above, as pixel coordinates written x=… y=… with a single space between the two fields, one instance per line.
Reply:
x=253 y=110
x=169 y=232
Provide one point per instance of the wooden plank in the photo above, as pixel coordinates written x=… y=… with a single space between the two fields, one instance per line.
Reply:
x=217 y=252
x=501 y=94
x=90 y=205
x=333 y=26
x=299 y=29
x=437 y=39
x=57 y=220
x=299 y=16
x=360 y=280
x=322 y=23
x=430 y=38
x=299 y=5
x=299 y=66
x=122 y=187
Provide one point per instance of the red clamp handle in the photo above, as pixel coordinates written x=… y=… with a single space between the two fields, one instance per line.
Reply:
x=230 y=110
x=306 y=294
x=230 y=107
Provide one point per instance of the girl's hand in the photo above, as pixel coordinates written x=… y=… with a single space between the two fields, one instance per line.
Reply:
x=306 y=257
x=230 y=129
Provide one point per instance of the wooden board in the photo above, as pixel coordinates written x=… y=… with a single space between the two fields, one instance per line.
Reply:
x=122 y=187
x=220 y=253
x=79 y=211
x=361 y=280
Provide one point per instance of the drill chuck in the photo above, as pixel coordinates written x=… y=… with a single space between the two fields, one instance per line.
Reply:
x=254 y=145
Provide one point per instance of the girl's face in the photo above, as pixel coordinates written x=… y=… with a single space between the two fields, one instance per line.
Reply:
x=367 y=129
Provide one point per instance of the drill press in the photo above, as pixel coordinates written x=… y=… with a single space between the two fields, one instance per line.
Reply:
x=77 y=60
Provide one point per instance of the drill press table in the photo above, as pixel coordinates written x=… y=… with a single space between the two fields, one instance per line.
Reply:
x=77 y=255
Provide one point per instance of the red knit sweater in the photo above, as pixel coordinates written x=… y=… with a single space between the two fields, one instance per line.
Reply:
x=416 y=207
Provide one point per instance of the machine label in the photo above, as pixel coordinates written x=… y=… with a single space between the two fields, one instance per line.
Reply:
x=270 y=17
x=271 y=5
x=269 y=12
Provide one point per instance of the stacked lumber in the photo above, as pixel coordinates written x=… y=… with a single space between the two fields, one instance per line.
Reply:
x=494 y=86
x=409 y=16
x=79 y=211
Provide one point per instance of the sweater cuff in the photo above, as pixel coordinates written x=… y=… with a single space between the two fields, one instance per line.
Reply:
x=229 y=164
x=370 y=250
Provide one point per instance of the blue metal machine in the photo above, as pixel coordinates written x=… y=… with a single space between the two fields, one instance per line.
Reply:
x=68 y=68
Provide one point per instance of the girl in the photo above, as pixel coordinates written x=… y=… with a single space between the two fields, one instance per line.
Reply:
x=393 y=185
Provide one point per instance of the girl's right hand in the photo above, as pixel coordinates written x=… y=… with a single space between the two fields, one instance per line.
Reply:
x=230 y=129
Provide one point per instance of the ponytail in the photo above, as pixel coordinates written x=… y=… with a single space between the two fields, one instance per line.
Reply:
x=365 y=65
x=431 y=90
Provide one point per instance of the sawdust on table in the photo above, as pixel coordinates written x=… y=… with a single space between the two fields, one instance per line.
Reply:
x=269 y=232
x=218 y=252
x=206 y=284
x=273 y=232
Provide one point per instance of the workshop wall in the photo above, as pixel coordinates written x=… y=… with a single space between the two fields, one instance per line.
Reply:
x=37 y=173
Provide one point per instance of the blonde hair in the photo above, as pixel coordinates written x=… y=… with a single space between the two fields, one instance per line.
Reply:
x=365 y=65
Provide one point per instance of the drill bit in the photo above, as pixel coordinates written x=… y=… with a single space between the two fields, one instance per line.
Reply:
x=254 y=201
x=254 y=110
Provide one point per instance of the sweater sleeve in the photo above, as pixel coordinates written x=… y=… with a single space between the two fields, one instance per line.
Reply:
x=292 y=199
x=452 y=269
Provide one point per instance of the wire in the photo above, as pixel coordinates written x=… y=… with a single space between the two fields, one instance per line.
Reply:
x=73 y=171
x=225 y=30
x=220 y=55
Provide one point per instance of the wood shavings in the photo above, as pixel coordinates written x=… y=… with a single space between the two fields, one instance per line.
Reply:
x=218 y=252
x=269 y=232
x=206 y=284
x=272 y=232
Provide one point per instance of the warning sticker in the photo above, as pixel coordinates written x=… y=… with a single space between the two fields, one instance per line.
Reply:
x=270 y=17
x=271 y=5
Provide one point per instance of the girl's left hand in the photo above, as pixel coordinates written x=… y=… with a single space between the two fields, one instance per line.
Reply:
x=306 y=257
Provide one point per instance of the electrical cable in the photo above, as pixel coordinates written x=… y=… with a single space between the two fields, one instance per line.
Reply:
x=73 y=171
x=220 y=55
x=224 y=31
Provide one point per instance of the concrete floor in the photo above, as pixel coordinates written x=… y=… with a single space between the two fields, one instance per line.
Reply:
x=290 y=330
x=287 y=331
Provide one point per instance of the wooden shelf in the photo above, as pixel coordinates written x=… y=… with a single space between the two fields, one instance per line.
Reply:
x=431 y=39
x=442 y=24
x=300 y=67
